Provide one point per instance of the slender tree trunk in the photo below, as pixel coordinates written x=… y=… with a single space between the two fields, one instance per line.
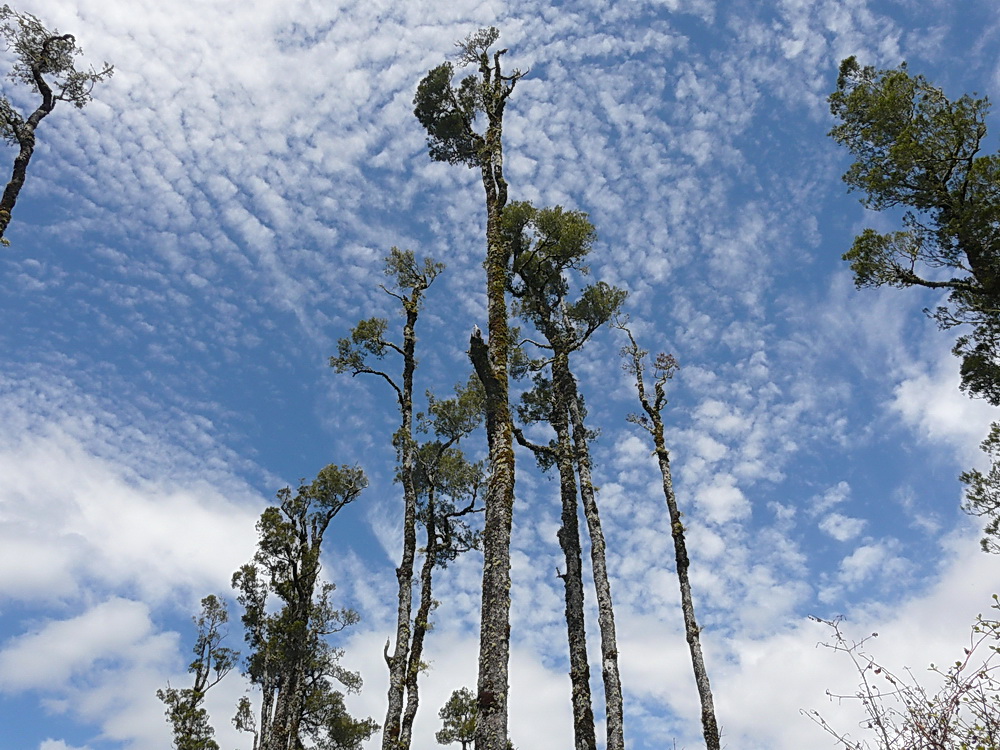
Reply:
x=654 y=425
x=602 y=584
x=569 y=540
x=25 y=133
x=391 y=739
x=421 y=623
x=710 y=727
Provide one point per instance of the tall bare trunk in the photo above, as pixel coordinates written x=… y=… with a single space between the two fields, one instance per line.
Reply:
x=420 y=625
x=710 y=727
x=653 y=424
x=391 y=739
x=569 y=540
x=602 y=584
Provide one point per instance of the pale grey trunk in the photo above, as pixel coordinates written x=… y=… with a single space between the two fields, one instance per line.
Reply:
x=421 y=624
x=710 y=727
x=569 y=540
x=391 y=739
x=602 y=584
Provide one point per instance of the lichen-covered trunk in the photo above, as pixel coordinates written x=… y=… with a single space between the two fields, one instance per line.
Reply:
x=710 y=727
x=490 y=362
x=391 y=739
x=26 y=142
x=569 y=540
x=421 y=623
x=602 y=584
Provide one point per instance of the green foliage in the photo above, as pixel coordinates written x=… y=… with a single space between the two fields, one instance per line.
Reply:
x=190 y=721
x=914 y=148
x=982 y=494
x=545 y=244
x=448 y=113
x=459 y=715
x=290 y=658
x=42 y=54
x=409 y=273
x=474 y=49
x=367 y=341
x=453 y=418
x=913 y=145
x=367 y=338
x=448 y=485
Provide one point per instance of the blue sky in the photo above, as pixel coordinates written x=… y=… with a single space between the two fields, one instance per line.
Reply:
x=189 y=248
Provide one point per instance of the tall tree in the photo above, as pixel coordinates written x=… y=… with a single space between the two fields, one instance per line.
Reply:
x=546 y=244
x=290 y=658
x=213 y=661
x=664 y=366
x=358 y=354
x=449 y=114
x=45 y=64
x=918 y=150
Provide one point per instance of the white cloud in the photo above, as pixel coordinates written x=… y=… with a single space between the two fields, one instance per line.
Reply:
x=840 y=527
x=57 y=651
x=722 y=501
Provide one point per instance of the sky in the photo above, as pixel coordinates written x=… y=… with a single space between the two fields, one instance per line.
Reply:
x=189 y=248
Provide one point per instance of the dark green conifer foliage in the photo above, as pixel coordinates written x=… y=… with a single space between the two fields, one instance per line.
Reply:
x=45 y=64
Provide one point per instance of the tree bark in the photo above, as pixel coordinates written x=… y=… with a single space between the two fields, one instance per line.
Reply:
x=391 y=739
x=420 y=626
x=494 y=637
x=569 y=540
x=654 y=425
x=25 y=134
x=602 y=584
x=710 y=727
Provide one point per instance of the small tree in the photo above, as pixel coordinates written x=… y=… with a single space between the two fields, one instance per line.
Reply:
x=902 y=714
x=189 y=719
x=460 y=716
x=290 y=659
x=45 y=64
